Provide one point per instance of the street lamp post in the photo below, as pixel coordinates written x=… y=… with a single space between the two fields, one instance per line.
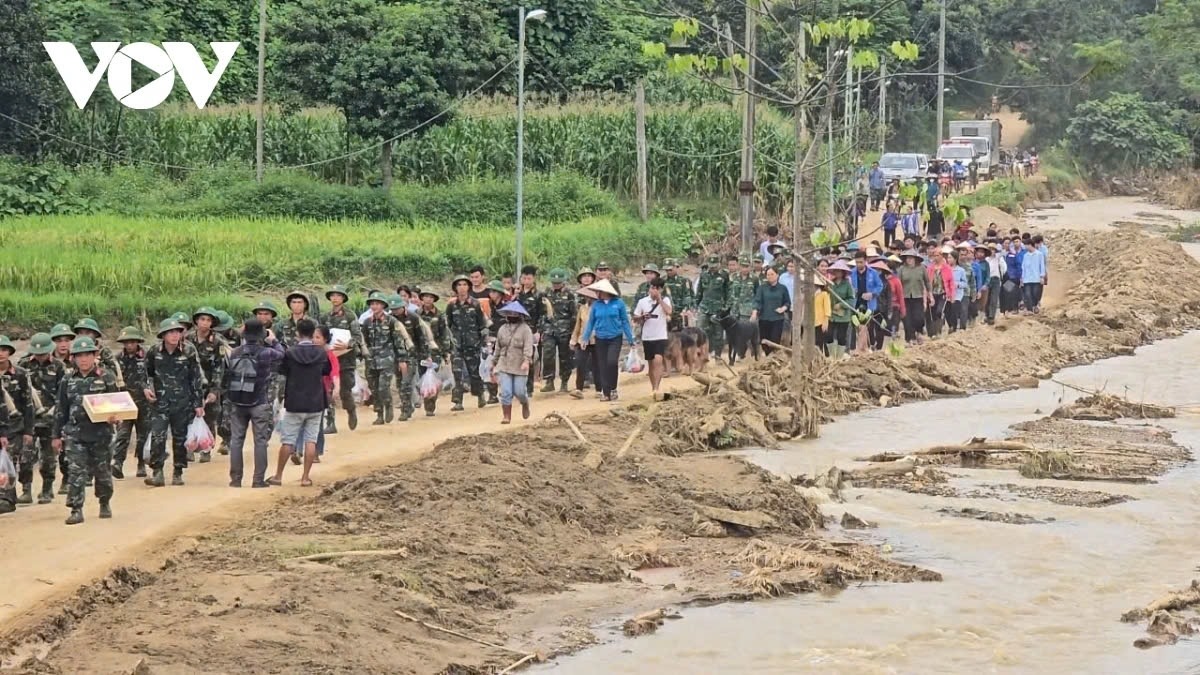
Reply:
x=533 y=15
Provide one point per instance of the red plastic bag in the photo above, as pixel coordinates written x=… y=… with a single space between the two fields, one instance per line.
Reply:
x=199 y=438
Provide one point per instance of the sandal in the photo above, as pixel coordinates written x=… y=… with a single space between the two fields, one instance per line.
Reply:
x=306 y=482
x=275 y=482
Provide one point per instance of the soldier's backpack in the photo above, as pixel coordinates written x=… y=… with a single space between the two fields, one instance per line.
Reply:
x=243 y=378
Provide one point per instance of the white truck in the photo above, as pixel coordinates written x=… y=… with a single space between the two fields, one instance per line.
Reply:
x=984 y=135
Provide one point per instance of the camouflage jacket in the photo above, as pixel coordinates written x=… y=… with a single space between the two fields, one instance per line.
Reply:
x=18 y=399
x=712 y=294
x=741 y=295
x=45 y=377
x=70 y=418
x=424 y=346
x=212 y=357
x=345 y=320
x=134 y=367
x=176 y=377
x=560 y=313
x=442 y=336
x=387 y=342
x=467 y=324
x=534 y=302
x=232 y=338
x=285 y=330
x=680 y=290
x=106 y=360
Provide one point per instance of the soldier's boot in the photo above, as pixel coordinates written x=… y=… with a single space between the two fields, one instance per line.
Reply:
x=76 y=517
x=177 y=476
x=224 y=449
x=430 y=407
x=105 y=511
x=118 y=471
x=62 y=487
x=378 y=418
x=205 y=456
x=548 y=388
x=563 y=388
x=141 y=470
x=157 y=479
x=482 y=400
x=330 y=423
x=492 y=398
x=457 y=400
x=352 y=417
x=191 y=456
x=26 y=493
x=507 y=410
x=47 y=494
x=388 y=413
x=525 y=409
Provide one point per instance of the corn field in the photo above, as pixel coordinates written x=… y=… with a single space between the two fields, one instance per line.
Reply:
x=58 y=268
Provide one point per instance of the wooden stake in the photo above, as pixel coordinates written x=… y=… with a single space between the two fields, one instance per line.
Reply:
x=332 y=555
x=464 y=636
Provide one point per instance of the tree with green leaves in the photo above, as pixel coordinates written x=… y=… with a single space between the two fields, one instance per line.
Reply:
x=25 y=78
x=1125 y=132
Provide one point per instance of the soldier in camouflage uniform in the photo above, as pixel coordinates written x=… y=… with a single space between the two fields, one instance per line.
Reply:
x=184 y=320
x=297 y=302
x=176 y=387
x=556 y=331
x=266 y=313
x=87 y=327
x=341 y=317
x=423 y=347
x=742 y=286
x=18 y=400
x=63 y=336
x=442 y=338
x=133 y=364
x=535 y=303
x=213 y=350
x=386 y=341
x=226 y=329
x=496 y=296
x=88 y=444
x=46 y=373
x=469 y=327
x=643 y=290
x=604 y=271
x=683 y=298
x=712 y=298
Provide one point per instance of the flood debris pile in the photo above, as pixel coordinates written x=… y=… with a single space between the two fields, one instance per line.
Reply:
x=1168 y=618
x=1101 y=407
x=461 y=539
x=994 y=516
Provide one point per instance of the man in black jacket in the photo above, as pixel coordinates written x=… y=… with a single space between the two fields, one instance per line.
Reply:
x=304 y=399
x=247 y=392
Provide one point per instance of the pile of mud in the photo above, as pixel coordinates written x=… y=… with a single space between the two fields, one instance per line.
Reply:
x=1168 y=618
x=462 y=539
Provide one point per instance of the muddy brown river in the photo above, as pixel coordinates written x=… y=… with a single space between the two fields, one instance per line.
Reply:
x=1042 y=598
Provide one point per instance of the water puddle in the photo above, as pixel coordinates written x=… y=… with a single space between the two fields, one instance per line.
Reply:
x=1016 y=598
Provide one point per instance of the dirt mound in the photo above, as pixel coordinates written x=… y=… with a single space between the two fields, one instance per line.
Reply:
x=1179 y=190
x=983 y=216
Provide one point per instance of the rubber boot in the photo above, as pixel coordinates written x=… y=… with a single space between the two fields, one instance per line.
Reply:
x=378 y=419
x=62 y=487
x=388 y=412
x=26 y=494
x=177 y=476
x=330 y=423
x=157 y=479
x=430 y=407
x=118 y=471
x=105 y=511
x=457 y=407
x=405 y=415
x=482 y=400
x=141 y=470
x=352 y=418
x=224 y=449
x=563 y=388
x=548 y=388
x=507 y=410
x=47 y=494
x=76 y=517
x=492 y=398
x=525 y=409
x=205 y=457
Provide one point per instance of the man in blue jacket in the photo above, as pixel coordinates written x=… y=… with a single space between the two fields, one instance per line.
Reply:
x=867 y=285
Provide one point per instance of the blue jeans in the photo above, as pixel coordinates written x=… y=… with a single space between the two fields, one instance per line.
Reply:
x=511 y=385
x=1033 y=296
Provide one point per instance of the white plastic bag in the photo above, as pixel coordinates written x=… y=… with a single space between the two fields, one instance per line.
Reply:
x=8 y=470
x=199 y=438
x=361 y=391
x=485 y=366
x=431 y=384
x=146 y=447
x=448 y=378
x=633 y=362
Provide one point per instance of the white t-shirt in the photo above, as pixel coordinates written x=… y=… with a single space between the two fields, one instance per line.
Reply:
x=653 y=328
x=766 y=255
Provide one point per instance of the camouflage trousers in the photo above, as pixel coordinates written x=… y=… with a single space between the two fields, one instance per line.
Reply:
x=713 y=331
x=346 y=362
x=175 y=422
x=466 y=368
x=125 y=432
x=380 y=382
x=89 y=459
x=39 y=453
x=557 y=346
x=406 y=385
x=212 y=415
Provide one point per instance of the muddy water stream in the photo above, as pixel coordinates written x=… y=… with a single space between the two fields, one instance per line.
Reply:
x=1016 y=598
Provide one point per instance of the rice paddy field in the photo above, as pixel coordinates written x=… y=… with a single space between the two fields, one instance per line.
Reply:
x=124 y=270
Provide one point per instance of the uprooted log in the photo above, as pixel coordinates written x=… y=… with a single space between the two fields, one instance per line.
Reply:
x=595 y=455
x=974 y=447
x=880 y=470
x=1098 y=406
x=1175 y=600
x=752 y=520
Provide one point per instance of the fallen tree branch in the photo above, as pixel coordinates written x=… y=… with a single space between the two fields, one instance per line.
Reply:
x=525 y=659
x=464 y=636
x=370 y=553
x=646 y=417
x=880 y=470
x=984 y=447
x=562 y=417
x=1171 y=601
x=772 y=345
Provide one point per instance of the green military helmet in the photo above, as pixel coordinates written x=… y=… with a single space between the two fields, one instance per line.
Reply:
x=40 y=344
x=206 y=311
x=713 y=259
x=337 y=289
x=583 y=271
x=5 y=343
x=84 y=345
x=435 y=296
x=558 y=276
x=602 y=265
x=650 y=267
x=396 y=301
x=224 y=321
x=88 y=323
x=266 y=306
x=457 y=279
x=496 y=285
x=168 y=325
x=670 y=264
x=743 y=259
x=183 y=318
x=297 y=294
x=758 y=258
x=61 y=330
x=377 y=296
x=131 y=334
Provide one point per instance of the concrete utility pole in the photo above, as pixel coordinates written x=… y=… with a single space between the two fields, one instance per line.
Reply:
x=882 y=106
x=642 y=180
x=522 y=19
x=941 y=98
x=804 y=350
x=746 y=184
x=260 y=124
x=849 y=95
